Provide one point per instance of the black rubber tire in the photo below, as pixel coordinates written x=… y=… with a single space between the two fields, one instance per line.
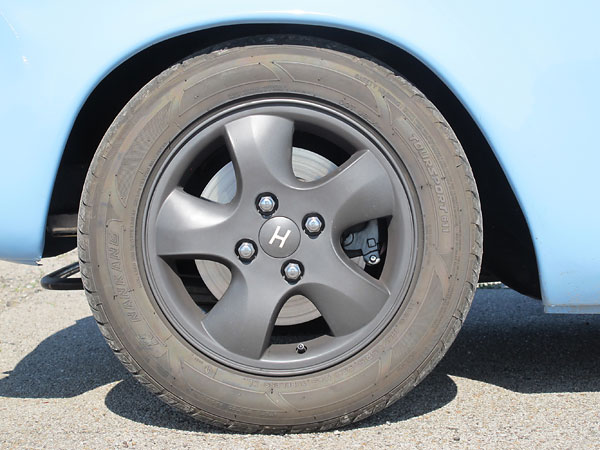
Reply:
x=398 y=359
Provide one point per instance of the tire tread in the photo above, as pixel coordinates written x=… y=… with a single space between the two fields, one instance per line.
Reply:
x=458 y=317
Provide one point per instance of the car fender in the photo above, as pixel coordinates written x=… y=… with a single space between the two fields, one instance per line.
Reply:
x=527 y=73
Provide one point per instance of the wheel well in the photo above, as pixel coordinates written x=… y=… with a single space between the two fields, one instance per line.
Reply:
x=509 y=255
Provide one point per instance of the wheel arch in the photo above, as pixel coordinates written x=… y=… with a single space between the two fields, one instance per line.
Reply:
x=509 y=253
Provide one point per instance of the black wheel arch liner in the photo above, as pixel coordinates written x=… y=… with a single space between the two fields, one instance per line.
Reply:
x=509 y=255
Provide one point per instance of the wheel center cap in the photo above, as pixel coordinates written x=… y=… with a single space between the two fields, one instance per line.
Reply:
x=279 y=237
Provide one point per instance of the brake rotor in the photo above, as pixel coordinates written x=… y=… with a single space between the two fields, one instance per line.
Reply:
x=307 y=166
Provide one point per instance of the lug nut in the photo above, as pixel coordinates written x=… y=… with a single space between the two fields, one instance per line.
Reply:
x=313 y=224
x=266 y=204
x=292 y=271
x=246 y=251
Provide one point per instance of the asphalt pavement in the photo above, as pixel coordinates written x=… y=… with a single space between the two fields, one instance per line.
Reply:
x=514 y=378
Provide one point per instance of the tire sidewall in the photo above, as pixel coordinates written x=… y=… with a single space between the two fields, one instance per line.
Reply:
x=412 y=342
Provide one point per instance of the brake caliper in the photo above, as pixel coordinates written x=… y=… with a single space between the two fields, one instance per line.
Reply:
x=365 y=243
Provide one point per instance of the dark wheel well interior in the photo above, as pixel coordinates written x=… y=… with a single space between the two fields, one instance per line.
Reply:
x=509 y=255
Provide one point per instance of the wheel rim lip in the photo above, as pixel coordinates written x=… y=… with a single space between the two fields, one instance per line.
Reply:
x=276 y=364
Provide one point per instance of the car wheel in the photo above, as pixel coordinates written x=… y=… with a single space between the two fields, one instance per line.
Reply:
x=283 y=236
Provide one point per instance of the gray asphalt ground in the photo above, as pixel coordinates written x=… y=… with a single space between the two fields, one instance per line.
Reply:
x=515 y=378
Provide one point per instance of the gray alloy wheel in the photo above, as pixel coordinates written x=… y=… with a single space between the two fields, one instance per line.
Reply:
x=279 y=236
x=259 y=138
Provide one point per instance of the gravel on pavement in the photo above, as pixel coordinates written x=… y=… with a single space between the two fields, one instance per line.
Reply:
x=514 y=378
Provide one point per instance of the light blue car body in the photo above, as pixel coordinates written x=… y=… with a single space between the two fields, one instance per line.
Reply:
x=527 y=72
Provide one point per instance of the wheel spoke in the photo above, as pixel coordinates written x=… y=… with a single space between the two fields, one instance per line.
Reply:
x=346 y=297
x=189 y=226
x=273 y=249
x=242 y=320
x=358 y=191
x=261 y=150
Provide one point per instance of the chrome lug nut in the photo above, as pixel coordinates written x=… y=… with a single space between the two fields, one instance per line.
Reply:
x=266 y=204
x=292 y=272
x=246 y=251
x=313 y=224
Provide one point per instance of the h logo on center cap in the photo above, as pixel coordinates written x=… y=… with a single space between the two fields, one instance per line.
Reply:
x=282 y=239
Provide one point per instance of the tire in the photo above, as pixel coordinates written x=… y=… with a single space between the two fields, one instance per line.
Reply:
x=398 y=179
